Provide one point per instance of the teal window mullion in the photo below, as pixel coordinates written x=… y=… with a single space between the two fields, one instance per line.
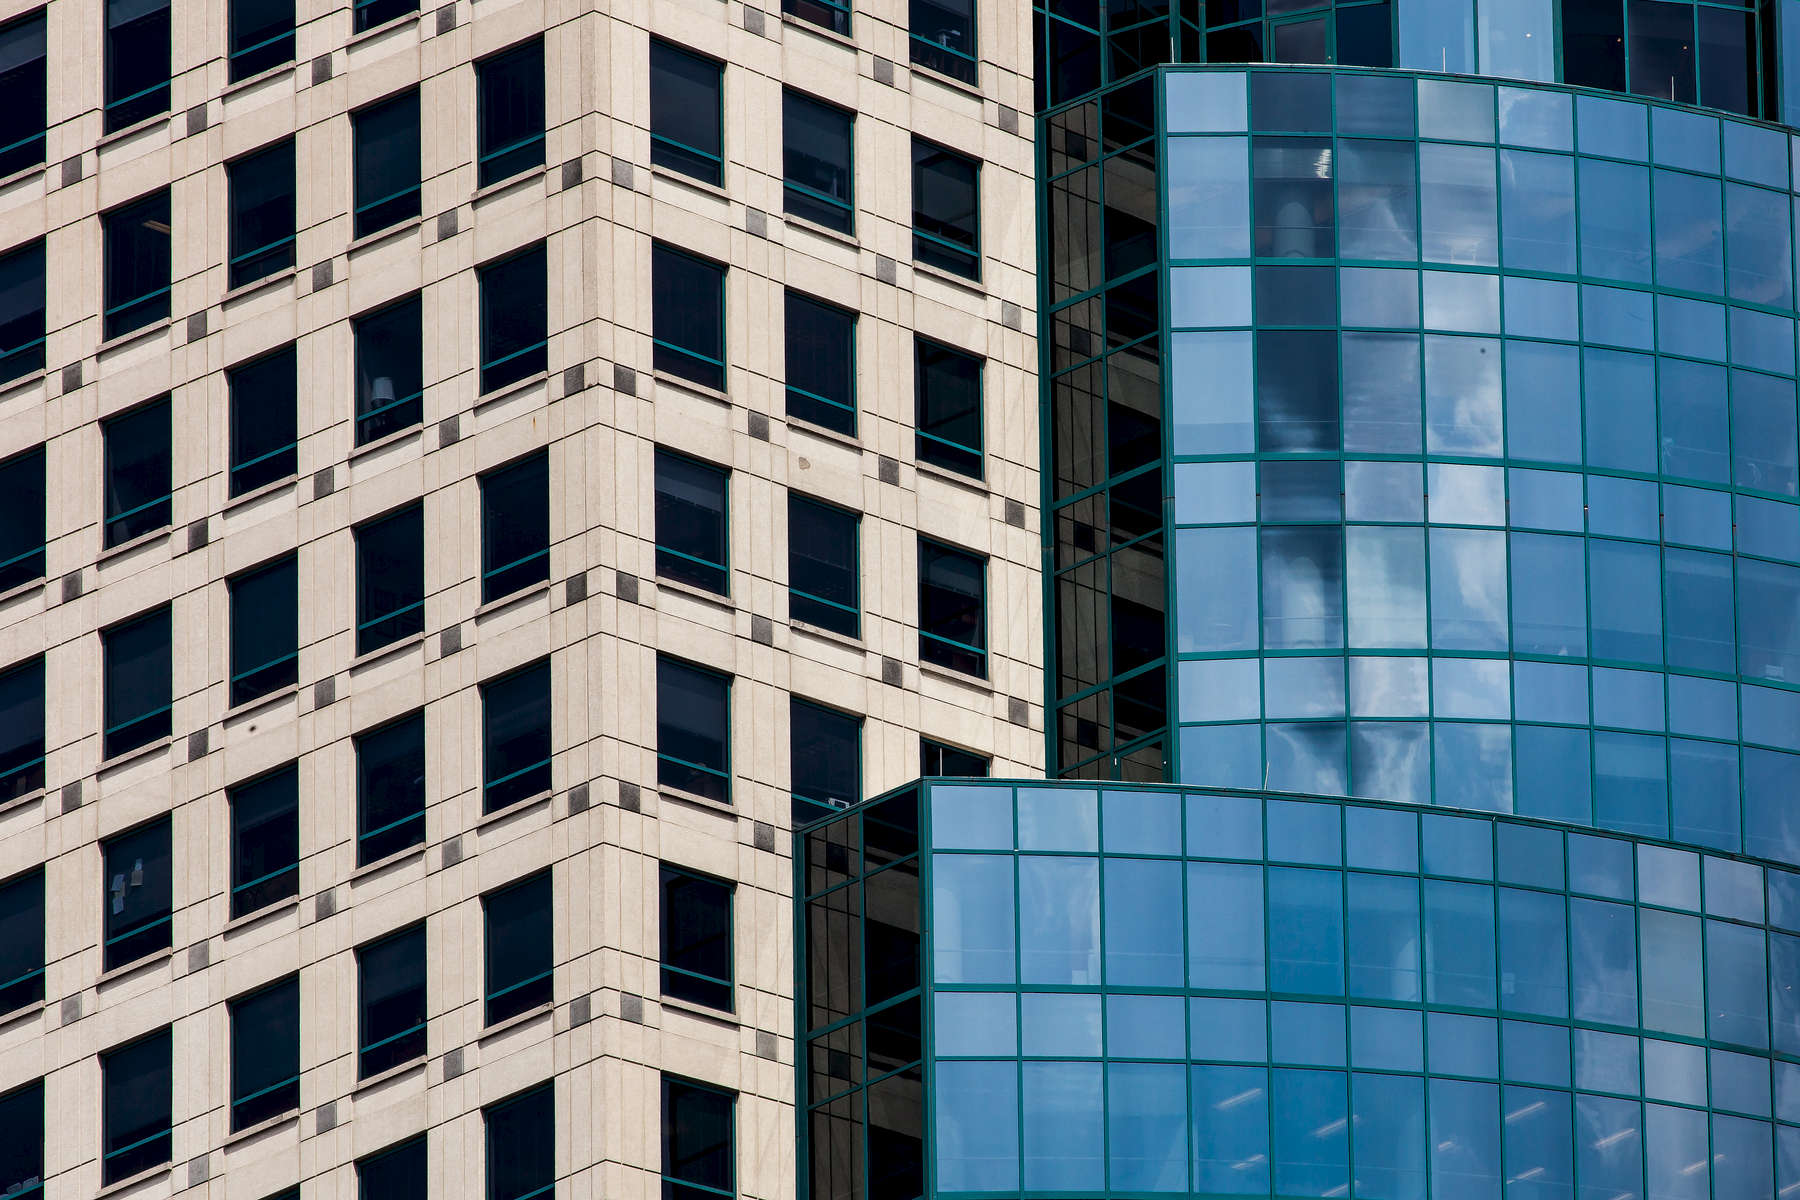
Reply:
x=687 y=149
x=364 y=836
x=513 y=987
x=506 y=358
x=138 y=95
x=510 y=776
x=695 y=766
x=261 y=1092
x=518 y=145
x=394 y=1037
x=273 y=662
x=262 y=458
x=161 y=1133
x=19 y=558
x=392 y=404
x=141 y=717
x=269 y=41
x=405 y=191
x=136 y=300
x=260 y=250
x=140 y=928
x=261 y=879
x=398 y=612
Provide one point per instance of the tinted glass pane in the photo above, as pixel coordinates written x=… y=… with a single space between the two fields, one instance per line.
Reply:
x=937 y=759
x=137 y=472
x=23 y=117
x=386 y=159
x=697 y=1141
x=262 y=36
x=265 y=1054
x=21 y=302
x=520 y=948
x=693 y=729
x=21 y=944
x=691 y=529
x=510 y=137
x=137 y=61
x=390 y=579
x=265 y=841
x=138 y=895
x=821 y=363
x=946 y=209
x=825 y=758
x=521 y=1145
x=823 y=566
x=391 y=984
x=265 y=630
x=688 y=315
x=390 y=370
x=264 y=420
x=22 y=1154
x=514 y=319
x=696 y=939
x=947 y=396
x=686 y=123
x=515 y=527
x=397 y=1173
x=816 y=162
x=515 y=716
x=137 y=260
x=952 y=608
x=390 y=789
x=22 y=498
x=262 y=212
x=137 y=1085
x=138 y=667
x=943 y=37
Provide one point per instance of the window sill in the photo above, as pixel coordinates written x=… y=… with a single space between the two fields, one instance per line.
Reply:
x=819 y=431
x=384 y=441
x=849 y=240
x=20 y=592
x=28 y=798
x=665 y=379
x=717 y=1016
x=950 y=82
x=158 y=958
x=239 y=924
x=247 y=707
x=689 y=182
x=961 y=283
x=261 y=1127
x=20 y=1016
x=380 y=652
x=388 y=26
x=131 y=131
x=528 y=175
x=22 y=174
x=136 y=543
x=19 y=383
x=967 y=483
x=713 y=599
x=390 y=1075
x=151 y=1175
x=827 y=635
x=696 y=800
x=516 y=808
x=511 y=598
x=508 y=391
x=381 y=865
x=254 y=494
x=513 y=1022
x=818 y=31
x=257 y=80
x=409 y=225
x=126 y=757
x=976 y=683
x=245 y=290
x=142 y=333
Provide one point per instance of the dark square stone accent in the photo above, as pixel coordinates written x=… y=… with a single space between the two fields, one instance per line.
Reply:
x=199 y=957
x=196 y=326
x=581 y=1011
x=884 y=71
x=578 y=799
x=574 y=379
x=446 y=19
x=71 y=171
x=571 y=173
x=767 y=1045
x=753 y=20
x=321 y=69
x=759 y=427
x=453 y=1063
x=762 y=630
x=628 y=588
x=449 y=430
x=450 y=642
x=631 y=1007
x=71 y=1010
x=892 y=673
x=1011 y=314
x=888 y=470
x=1015 y=513
x=71 y=796
x=452 y=852
x=199 y=1170
x=324 y=692
x=197 y=745
x=446 y=225
x=575 y=591
x=886 y=269
x=196 y=119
x=763 y=836
x=325 y=905
x=324 y=483
x=624 y=379
x=325 y=1117
x=321 y=276
x=71 y=377
x=198 y=535
x=1009 y=119
x=622 y=173
x=71 y=586
x=756 y=222
x=1018 y=711
x=628 y=797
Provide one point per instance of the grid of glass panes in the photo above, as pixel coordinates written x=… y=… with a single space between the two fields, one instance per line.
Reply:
x=1504 y=402
x=1312 y=986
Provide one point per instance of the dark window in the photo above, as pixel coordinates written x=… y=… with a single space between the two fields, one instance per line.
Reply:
x=21 y=947
x=693 y=729
x=390 y=370
x=692 y=531
x=264 y=420
x=687 y=303
x=390 y=579
x=830 y=14
x=21 y=309
x=137 y=264
x=696 y=938
x=946 y=209
x=138 y=471
x=937 y=760
x=387 y=158
x=139 y=902
x=23 y=91
x=821 y=363
x=510 y=137
x=515 y=318
x=947 y=393
x=21 y=731
x=265 y=840
x=521 y=952
x=265 y=629
x=391 y=981
x=139 y=665
x=390 y=789
x=265 y=1053
x=824 y=758
x=138 y=1085
x=952 y=608
x=22 y=516
x=137 y=61
x=262 y=36
x=515 y=736
x=398 y=1173
x=818 y=176
x=521 y=1145
x=515 y=526
x=943 y=37
x=824 y=572
x=370 y=13
x=22 y=1149
x=699 y=1162
x=1727 y=61
x=262 y=213
x=687 y=128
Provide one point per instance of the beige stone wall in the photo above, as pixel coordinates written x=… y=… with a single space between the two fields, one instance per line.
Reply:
x=601 y=411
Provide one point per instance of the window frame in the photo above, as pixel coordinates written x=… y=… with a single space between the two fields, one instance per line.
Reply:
x=852 y=628
x=797 y=303
x=831 y=212
x=157 y=720
x=164 y=919
x=283 y=671
x=248 y=386
x=669 y=357
x=31 y=75
x=25 y=988
x=235 y=1009
x=673 y=1186
x=244 y=62
x=498 y=312
x=30 y=1097
x=123 y=426
x=528 y=995
x=953 y=451
x=27 y=357
x=137 y=1166
x=497 y=519
x=26 y=777
x=722 y=775
x=838 y=15
x=366 y=642
x=941 y=549
x=811 y=807
x=925 y=53
x=122 y=318
x=493 y=1137
x=245 y=266
x=364 y=1046
x=532 y=781
x=927 y=745
x=141 y=105
x=391 y=729
x=495 y=165
x=944 y=253
x=369 y=217
x=244 y=900
x=366 y=324
x=18 y=570
x=405 y=1145
x=672 y=876
x=687 y=566
x=670 y=153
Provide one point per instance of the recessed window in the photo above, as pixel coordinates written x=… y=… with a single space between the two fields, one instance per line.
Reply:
x=138 y=471
x=824 y=759
x=391 y=983
x=387 y=157
x=828 y=14
x=515 y=736
x=21 y=309
x=521 y=1145
x=265 y=840
x=821 y=363
x=370 y=13
x=139 y=664
x=139 y=901
x=818 y=174
x=138 y=264
x=510 y=131
x=941 y=761
x=515 y=318
x=946 y=209
x=515 y=526
x=21 y=730
x=693 y=729
x=21 y=947
x=687 y=128
x=390 y=789
x=390 y=370
x=943 y=37
x=699 y=1160
x=137 y=61
x=22 y=1150
x=824 y=571
x=696 y=938
x=137 y=1085
x=23 y=108
x=390 y=579
x=691 y=526
x=952 y=608
x=264 y=420
x=265 y=1053
x=265 y=629
x=262 y=213
x=947 y=400
x=687 y=301
x=399 y=1172
x=262 y=36
x=22 y=515
x=520 y=948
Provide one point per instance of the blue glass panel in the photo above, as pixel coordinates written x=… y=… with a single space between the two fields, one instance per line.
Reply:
x=1382 y=840
x=1064 y=1135
x=1215 y=610
x=1311 y=1133
x=1146 y=1127
x=1228 y=1030
x=1143 y=915
x=1690 y=237
x=1533 y=953
x=1610 y=1146
x=1059 y=920
x=972 y=918
x=1537 y=206
x=1554 y=768
x=1224 y=826
x=1306 y=931
x=1615 y=220
x=1535 y=1053
x=1459 y=944
x=1539 y=1154
x=1384 y=952
x=976 y=1024
x=1307 y=1035
x=1459 y=846
x=1231 y=1130
x=1606 y=1062
x=1669 y=878
x=1146 y=1027
x=1387 y=1039
x=1465 y=1132
x=1141 y=822
x=1737 y=985
x=974 y=1152
x=1603 y=962
x=1741 y=1160
x=1213 y=393
x=1678 y=1153
x=1225 y=926
x=1058 y=819
x=1052 y=1025
x=1389 y=1122
x=971 y=818
x=1543 y=396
